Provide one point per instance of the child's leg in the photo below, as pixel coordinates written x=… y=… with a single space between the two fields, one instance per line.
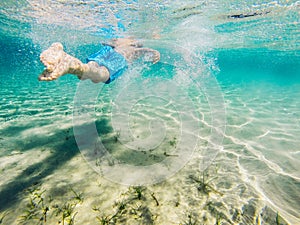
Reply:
x=59 y=63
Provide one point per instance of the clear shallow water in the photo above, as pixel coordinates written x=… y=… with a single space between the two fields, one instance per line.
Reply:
x=256 y=64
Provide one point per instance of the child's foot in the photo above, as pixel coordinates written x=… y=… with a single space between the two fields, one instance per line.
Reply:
x=58 y=63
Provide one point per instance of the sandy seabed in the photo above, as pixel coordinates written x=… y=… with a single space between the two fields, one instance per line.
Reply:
x=45 y=180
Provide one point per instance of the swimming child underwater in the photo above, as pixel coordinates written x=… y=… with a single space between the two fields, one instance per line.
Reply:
x=104 y=66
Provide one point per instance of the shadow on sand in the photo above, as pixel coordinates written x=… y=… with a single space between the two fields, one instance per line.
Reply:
x=63 y=148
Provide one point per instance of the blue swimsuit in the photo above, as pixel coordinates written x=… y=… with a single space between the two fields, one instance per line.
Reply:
x=112 y=60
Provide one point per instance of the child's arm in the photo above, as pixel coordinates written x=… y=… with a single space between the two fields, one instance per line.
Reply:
x=148 y=54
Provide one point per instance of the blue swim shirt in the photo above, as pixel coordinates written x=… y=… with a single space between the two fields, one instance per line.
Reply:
x=112 y=60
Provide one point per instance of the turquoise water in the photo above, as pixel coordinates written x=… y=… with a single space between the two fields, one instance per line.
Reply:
x=225 y=97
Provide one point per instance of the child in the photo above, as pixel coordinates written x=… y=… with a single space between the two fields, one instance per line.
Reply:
x=103 y=66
